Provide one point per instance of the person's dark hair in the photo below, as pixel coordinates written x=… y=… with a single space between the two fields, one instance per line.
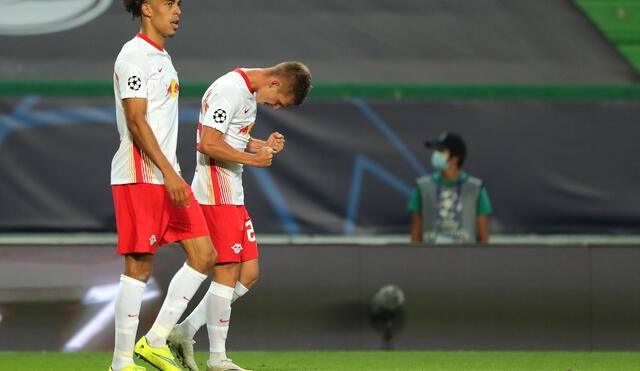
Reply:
x=134 y=7
x=297 y=77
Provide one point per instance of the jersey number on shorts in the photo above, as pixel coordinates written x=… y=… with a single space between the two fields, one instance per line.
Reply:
x=251 y=235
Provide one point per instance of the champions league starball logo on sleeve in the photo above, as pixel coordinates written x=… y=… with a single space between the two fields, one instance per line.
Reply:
x=219 y=116
x=134 y=83
x=37 y=17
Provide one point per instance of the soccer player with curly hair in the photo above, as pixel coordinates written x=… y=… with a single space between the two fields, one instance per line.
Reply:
x=153 y=205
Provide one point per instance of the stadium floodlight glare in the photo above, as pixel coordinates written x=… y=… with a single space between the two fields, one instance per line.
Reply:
x=103 y=294
x=37 y=17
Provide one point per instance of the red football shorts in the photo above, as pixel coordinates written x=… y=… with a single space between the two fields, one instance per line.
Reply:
x=146 y=218
x=231 y=232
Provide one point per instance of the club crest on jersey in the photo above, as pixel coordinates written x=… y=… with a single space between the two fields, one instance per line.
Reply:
x=173 y=89
x=236 y=248
x=246 y=131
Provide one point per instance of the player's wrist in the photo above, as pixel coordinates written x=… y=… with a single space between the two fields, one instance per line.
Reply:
x=168 y=172
x=252 y=159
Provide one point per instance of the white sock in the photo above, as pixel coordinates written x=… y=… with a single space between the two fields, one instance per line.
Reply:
x=183 y=285
x=127 y=309
x=218 y=315
x=198 y=317
x=238 y=291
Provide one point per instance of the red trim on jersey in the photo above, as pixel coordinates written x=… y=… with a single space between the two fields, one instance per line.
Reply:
x=246 y=79
x=145 y=38
x=214 y=180
x=205 y=105
x=199 y=136
x=137 y=160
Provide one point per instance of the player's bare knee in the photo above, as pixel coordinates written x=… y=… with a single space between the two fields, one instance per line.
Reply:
x=200 y=264
x=250 y=278
x=209 y=257
x=250 y=281
x=142 y=272
x=214 y=258
x=203 y=260
x=227 y=273
x=139 y=273
x=210 y=261
x=250 y=273
x=144 y=276
x=236 y=275
x=138 y=266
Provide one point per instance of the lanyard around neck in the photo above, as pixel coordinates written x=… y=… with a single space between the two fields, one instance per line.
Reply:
x=456 y=206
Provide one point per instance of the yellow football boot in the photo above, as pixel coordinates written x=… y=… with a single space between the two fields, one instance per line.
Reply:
x=160 y=358
x=131 y=367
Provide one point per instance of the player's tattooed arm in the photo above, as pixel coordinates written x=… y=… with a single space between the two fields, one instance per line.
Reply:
x=213 y=145
x=135 y=110
x=275 y=141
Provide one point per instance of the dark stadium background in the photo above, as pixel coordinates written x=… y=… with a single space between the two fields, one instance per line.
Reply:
x=545 y=93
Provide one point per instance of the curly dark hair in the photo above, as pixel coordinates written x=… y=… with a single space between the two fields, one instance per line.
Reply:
x=134 y=7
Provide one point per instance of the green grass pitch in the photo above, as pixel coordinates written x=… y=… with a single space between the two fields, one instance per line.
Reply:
x=366 y=361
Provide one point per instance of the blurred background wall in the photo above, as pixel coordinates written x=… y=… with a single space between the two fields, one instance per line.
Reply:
x=509 y=297
x=544 y=98
x=447 y=41
x=545 y=92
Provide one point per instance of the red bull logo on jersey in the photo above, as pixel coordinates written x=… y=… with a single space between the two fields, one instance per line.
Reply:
x=173 y=89
x=246 y=131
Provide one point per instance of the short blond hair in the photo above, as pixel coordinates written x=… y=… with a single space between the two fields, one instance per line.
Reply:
x=297 y=77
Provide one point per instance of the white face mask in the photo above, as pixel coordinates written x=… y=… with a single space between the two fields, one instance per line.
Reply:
x=439 y=160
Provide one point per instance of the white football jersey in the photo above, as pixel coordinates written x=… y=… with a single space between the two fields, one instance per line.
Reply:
x=229 y=106
x=143 y=69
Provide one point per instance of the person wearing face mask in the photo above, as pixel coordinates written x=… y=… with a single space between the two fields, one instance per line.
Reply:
x=449 y=206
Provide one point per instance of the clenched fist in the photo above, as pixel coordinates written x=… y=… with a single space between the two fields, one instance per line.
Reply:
x=264 y=157
x=276 y=141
